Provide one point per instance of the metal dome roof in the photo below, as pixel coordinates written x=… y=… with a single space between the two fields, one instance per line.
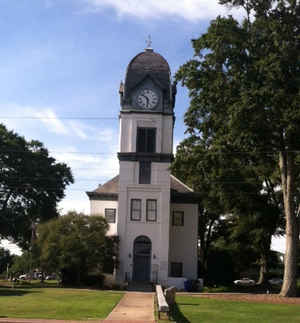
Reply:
x=147 y=63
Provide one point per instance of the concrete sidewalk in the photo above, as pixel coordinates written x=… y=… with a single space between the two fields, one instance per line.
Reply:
x=16 y=320
x=133 y=308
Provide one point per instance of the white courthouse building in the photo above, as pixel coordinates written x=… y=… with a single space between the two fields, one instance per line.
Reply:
x=154 y=214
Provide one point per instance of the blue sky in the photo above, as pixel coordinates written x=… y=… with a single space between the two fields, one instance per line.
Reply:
x=61 y=65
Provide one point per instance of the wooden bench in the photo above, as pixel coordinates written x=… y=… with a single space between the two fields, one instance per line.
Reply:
x=162 y=304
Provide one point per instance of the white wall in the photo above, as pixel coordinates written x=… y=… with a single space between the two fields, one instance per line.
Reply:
x=159 y=189
x=164 y=132
x=157 y=232
x=183 y=239
x=98 y=208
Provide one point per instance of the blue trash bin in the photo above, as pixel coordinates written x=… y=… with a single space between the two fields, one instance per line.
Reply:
x=187 y=285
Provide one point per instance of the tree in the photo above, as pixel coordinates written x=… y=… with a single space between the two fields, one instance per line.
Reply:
x=31 y=185
x=5 y=260
x=234 y=203
x=22 y=264
x=192 y=165
x=244 y=88
x=73 y=245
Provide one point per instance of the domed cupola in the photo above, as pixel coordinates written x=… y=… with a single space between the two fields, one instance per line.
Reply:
x=147 y=84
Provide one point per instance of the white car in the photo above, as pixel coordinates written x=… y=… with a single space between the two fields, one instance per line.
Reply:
x=23 y=277
x=244 y=282
x=275 y=281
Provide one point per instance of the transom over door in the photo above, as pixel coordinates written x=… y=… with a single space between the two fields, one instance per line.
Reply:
x=141 y=258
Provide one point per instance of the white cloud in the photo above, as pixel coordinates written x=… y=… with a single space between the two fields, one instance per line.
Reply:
x=78 y=129
x=106 y=135
x=49 y=118
x=191 y=10
x=80 y=205
x=13 y=248
x=89 y=166
x=36 y=117
x=278 y=244
x=176 y=142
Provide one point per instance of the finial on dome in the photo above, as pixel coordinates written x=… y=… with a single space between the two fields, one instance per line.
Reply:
x=149 y=43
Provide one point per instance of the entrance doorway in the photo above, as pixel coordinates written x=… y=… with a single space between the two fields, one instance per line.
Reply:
x=141 y=259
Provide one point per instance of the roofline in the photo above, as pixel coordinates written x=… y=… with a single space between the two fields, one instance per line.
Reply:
x=102 y=196
x=187 y=187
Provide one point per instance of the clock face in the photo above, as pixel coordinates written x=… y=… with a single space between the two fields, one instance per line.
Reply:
x=147 y=99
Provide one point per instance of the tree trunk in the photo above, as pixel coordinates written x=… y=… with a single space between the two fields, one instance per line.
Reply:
x=289 y=287
x=263 y=269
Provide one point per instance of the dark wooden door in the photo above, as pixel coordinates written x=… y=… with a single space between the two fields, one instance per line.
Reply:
x=141 y=259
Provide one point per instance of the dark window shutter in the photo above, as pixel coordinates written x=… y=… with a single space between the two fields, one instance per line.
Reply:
x=141 y=140
x=151 y=138
x=146 y=140
x=176 y=269
x=145 y=172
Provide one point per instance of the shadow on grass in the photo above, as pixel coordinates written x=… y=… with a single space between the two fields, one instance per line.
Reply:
x=15 y=292
x=28 y=284
x=177 y=315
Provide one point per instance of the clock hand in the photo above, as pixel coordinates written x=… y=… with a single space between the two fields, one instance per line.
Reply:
x=147 y=100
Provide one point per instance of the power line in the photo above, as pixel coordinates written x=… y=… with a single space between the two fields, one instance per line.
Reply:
x=59 y=118
x=113 y=153
x=18 y=179
x=57 y=152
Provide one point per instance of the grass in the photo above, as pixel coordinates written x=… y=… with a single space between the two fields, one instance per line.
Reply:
x=57 y=303
x=242 y=289
x=29 y=283
x=196 y=310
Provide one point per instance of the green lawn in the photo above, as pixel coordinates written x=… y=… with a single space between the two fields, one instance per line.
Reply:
x=201 y=310
x=57 y=303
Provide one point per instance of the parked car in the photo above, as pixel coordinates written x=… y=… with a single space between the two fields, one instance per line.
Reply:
x=50 y=277
x=244 y=282
x=23 y=277
x=275 y=281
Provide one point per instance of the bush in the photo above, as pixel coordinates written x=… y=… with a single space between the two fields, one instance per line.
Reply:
x=96 y=281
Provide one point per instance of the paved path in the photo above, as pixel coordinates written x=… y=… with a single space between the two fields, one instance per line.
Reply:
x=133 y=308
x=14 y=320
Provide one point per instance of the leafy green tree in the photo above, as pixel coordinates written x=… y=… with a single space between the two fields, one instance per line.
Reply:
x=233 y=195
x=22 y=264
x=31 y=185
x=5 y=259
x=192 y=168
x=73 y=245
x=244 y=88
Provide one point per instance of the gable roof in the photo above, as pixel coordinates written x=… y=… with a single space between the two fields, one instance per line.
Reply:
x=179 y=191
x=111 y=186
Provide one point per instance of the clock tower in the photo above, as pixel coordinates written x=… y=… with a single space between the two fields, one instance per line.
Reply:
x=152 y=212
x=147 y=118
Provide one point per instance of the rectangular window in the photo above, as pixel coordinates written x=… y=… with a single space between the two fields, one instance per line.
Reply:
x=178 y=218
x=151 y=211
x=146 y=140
x=176 y=269
x=110 y=215
x=145 y=172
x=136 y=210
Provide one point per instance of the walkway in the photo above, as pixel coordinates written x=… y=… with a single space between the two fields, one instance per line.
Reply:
x=133 y=308
x=14 y=320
